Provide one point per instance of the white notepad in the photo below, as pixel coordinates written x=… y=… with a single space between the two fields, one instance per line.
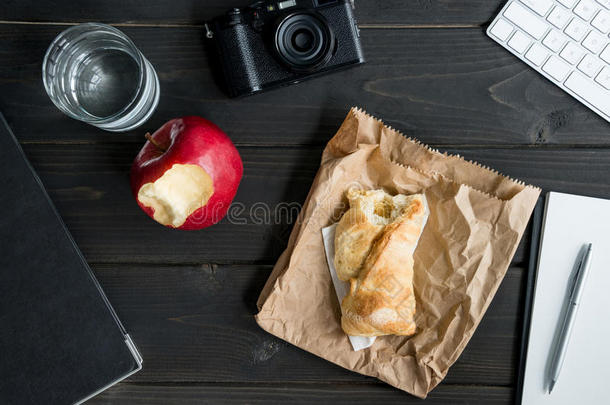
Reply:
x=570 y=222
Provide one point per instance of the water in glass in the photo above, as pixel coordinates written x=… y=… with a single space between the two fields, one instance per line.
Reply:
x=94 y=73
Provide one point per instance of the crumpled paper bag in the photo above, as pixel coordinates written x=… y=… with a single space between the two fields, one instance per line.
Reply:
x=477 y=218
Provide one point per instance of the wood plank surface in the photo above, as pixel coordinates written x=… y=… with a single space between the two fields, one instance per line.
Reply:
x=90 y=186
x=188 y=298
x=444 y=87
x=386 y=12
x=297 y=394
x=195 y=323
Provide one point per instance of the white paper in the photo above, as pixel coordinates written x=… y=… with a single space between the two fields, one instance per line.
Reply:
x=570 y=222
x=341 y=287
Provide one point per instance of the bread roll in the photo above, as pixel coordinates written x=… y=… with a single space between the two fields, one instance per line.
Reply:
x=374 y=249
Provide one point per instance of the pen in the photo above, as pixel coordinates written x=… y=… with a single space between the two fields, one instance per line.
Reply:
x=570 y=317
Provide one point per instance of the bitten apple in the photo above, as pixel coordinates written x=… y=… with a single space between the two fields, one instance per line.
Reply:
x=187 y=174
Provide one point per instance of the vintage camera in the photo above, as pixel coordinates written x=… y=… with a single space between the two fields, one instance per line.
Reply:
x=271 y=44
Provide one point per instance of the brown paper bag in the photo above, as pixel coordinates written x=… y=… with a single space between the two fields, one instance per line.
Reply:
x=477 y=218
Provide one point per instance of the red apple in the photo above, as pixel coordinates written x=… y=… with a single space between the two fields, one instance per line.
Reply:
x=187 y=174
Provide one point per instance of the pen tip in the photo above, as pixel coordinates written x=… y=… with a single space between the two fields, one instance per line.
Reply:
x=551 y=386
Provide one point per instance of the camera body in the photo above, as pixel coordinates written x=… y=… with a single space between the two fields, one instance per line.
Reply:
x=271 y=44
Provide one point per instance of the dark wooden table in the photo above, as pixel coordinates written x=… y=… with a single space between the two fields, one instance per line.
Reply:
x=188 y=298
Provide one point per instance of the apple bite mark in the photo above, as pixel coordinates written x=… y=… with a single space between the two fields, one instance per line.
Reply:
x=186 y=174
x=178 y=193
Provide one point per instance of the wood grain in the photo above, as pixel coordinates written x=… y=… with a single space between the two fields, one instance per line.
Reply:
x=296 y=394
x=387 y=12
x=195 y=324
x=444 y=87
x=90 y=186
x=188 y=298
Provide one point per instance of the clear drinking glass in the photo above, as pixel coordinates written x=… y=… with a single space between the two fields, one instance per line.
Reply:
x=95 y=73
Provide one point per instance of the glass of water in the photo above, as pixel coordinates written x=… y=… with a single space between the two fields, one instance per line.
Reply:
x=95 y=73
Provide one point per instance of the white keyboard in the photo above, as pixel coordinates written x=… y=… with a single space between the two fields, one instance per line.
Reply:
x=567 y=41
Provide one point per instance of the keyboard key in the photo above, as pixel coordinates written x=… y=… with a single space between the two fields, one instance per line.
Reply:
x=605 y=55
x=605 y=3
x=502 y=29
x=525 y=20
x=559 y=17
x=576 y=29
x=556 y=68
x=572 y=53
x=589 y=91
x=539 y=6
x=568 y=3
x=602 y=21
x=603 y=78
x=555 y=40
x=585 y=9
x=594 y=42
x=519 y=42
x=537 y=54
x=590 y=65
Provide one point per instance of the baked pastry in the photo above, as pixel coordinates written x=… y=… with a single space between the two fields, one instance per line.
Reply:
x=370 y=211
x=381 y=234
x=358 y=228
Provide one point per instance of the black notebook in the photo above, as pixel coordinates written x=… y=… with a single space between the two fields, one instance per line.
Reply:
x=60 y=340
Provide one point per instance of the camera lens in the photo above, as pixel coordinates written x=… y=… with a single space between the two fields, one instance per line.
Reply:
x=304 y=41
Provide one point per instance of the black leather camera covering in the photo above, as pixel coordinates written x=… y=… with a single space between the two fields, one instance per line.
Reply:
x=244 y=45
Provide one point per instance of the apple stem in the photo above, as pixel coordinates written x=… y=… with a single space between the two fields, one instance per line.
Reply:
x=151 y=140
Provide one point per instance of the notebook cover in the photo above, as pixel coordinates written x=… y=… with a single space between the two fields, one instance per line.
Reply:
x=60 y=339
x=537 y=219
